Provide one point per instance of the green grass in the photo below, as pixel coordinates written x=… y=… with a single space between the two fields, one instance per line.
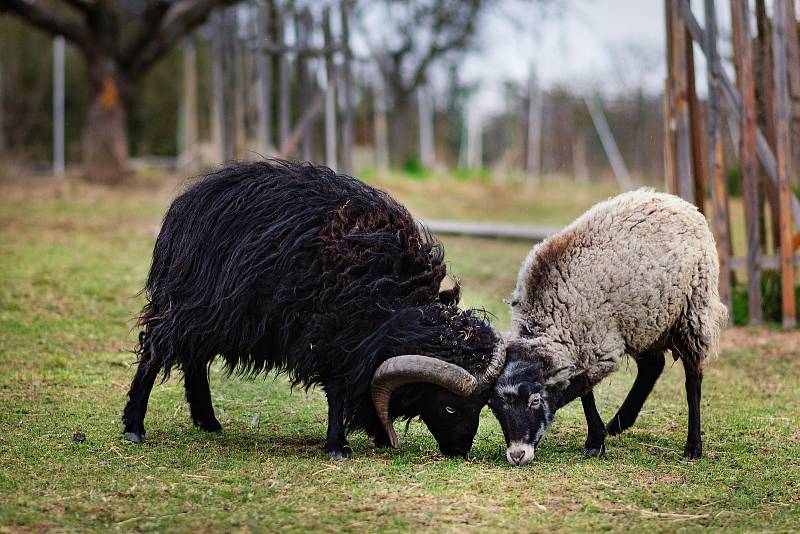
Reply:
x=71 y=262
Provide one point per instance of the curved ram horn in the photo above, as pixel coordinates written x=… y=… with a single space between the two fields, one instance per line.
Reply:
x=495 y=365
x=411 y=368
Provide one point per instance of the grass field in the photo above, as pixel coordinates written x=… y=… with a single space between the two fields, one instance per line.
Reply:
x=72 y=259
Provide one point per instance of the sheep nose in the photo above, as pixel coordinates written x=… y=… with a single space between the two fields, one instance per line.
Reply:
x=517 y=456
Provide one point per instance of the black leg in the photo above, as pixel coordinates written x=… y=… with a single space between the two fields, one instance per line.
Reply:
x=198 y=394
x=694 y=380
x=139 y=394
x=650 y=365
x=595 y=440
x=335 y=442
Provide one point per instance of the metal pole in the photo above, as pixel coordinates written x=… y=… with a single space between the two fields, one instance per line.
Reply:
x=426 y=148
x=58 y=105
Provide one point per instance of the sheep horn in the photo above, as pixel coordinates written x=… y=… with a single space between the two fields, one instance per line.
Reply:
x=410 y=368
x=495 y=365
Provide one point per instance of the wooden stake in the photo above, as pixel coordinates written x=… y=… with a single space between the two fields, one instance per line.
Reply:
x=302 y=26
x=680 y=106
x=330 y=94
x=719 y=189
x=381 y=130
x=793 y=65
x=534 y=151
x=347 y=83
x=284 y=105
x=58 y=105
x=187 y=159
x=264 y=68
x=783 y=156
x=765 y=97
x=697 y=135
x=670 y=181
x=747 y=152
x=426 y=146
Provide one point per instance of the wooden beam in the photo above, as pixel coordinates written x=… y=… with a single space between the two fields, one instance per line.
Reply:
x=783 y=155
x=743 y=54
x=767 y=263
x=284 y=104
x=680 y=104
x=303 y=25
x=719 y=189
x=670 y=182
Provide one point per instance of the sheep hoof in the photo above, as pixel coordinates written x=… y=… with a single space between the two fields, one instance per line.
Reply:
x=593 y=452
x=693 y=451
x=133 y=436
x=211 y=425
x=339 y=453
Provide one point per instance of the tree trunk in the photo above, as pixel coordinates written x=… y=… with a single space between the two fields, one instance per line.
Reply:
x=105 y=133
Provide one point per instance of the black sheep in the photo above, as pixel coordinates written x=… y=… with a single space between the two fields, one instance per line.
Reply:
x=290 y=267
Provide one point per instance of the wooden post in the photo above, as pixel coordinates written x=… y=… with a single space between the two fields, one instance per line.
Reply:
x=426 y=146
x=58 y=105
x=303 y=24
x=381 y=130
x=783 y=156
x=609 y=144
x=747 y=152
x=579 y=167
x=264 y=92
x=697 y=135
x=330 y=93
x=187 y=159
x=474 y=140
x=239 y=86
x=719 y=189
x=793 y=64
x=218 y=101
x=535 y=111
x=765 y=96
x=680 y=104
x=2 y=122
x=284 y=111
x=670 y=181
x=347 y=81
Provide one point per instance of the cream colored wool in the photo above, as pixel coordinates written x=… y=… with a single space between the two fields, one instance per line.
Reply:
x=632 y=274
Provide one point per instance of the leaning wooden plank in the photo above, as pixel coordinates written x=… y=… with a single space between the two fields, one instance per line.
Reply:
x=719 y=188
x=491 y=230
x=743 y=54
x=783 y=153
x=734 y=101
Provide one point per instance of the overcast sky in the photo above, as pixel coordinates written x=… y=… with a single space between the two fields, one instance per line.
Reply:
x=607 y=45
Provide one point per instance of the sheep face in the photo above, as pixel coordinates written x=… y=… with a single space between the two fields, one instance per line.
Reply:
x=453 y=420
x=524 y=407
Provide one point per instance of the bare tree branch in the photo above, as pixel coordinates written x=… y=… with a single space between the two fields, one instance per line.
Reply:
x=149 y=27
x=180 y=19
x=73 y=30
x=84 y=6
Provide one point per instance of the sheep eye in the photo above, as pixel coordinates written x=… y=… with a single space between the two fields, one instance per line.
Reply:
x=534 y=401
x=449 y=410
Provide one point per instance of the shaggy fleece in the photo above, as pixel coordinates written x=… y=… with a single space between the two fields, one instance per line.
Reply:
x=624 y=278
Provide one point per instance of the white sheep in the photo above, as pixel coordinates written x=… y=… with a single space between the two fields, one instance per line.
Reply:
x=635 y=275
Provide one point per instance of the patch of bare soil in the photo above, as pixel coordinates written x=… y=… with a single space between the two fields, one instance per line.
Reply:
x=763 y=340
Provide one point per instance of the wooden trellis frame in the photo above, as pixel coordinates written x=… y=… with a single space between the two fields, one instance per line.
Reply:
x=691 y=157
